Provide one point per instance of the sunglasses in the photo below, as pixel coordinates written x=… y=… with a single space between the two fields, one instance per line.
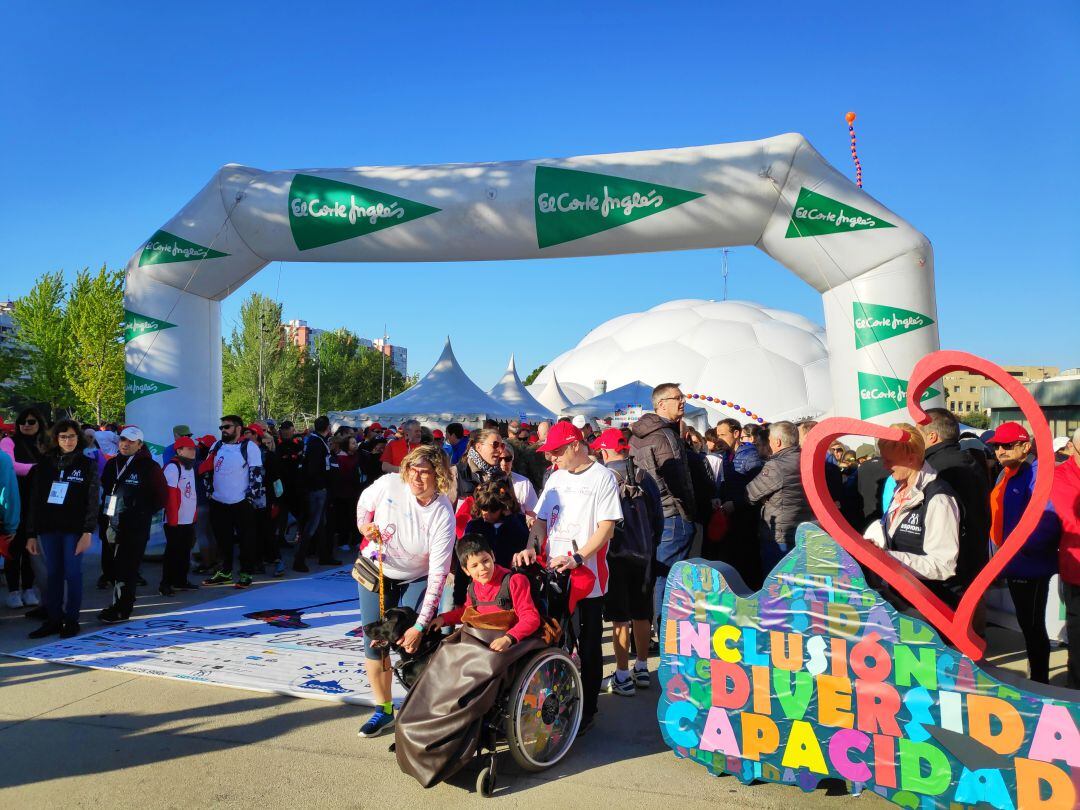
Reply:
x=30 y=422
x=227 y=427
x=1008 y=446
x=497 y=444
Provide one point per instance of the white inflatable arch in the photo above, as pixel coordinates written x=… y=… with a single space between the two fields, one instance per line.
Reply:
x=873 y=270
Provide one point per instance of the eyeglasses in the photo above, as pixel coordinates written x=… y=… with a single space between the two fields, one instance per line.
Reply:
x=679 y=398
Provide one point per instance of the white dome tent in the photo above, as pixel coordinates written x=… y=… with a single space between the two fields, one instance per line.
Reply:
x=631 y=399
x=444 y=395
x=772 y=362
x=512 y=393
x=553 y=397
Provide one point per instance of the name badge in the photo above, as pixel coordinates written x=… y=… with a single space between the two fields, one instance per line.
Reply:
x=58 y=491
x=111 y=504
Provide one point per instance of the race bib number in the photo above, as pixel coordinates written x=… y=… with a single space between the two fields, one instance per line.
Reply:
x=111 y=504
x=58 y=491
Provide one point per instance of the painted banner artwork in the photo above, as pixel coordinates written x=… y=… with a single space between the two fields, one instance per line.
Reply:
x=299 y=638
x=816 y=676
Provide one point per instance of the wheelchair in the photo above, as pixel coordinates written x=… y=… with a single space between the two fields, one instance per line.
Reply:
x=537 y=718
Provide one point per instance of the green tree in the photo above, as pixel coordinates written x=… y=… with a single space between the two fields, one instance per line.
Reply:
x=534 y=374
x=977 y=419
x=43 y=331
x=95 y=316
x=261 y=369
x=341 y=374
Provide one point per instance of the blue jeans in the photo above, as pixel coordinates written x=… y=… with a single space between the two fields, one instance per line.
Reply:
x=64 y=567
x=674 y=546
x=409 y=594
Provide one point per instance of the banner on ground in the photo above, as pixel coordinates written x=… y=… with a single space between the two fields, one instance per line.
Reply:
x=300 y=637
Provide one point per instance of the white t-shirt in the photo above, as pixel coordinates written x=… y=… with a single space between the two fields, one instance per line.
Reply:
x=573 y=504
x=523 y=490
x=418 y=539
x=230 y=472
x=181 y=479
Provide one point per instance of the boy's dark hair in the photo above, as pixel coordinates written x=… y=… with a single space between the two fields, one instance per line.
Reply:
x=498 y=493
x=471 y=544
x=285 y=425
x=455 y=429
x=233 y=419
x=321 y=424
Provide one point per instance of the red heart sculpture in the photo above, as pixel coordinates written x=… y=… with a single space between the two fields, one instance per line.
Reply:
x=954 y=625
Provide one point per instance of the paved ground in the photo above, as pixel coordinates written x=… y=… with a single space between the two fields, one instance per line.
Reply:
x=83 y=738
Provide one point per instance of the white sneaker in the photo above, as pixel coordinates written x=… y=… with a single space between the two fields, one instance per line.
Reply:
x=30 y=598
x=14 y=599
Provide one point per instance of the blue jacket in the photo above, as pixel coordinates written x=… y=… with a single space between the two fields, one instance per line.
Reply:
x=1038 y=557
x=738 y=470
x=9 y=496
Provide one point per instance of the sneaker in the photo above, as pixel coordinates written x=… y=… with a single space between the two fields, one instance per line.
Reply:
x=618 y=686
x=220 y=578
x=641 y=677
x=243 y=581
x=46 y=630
x=104 y=583
x=14 y=600
x=186 y=586
x=69 y=629
x=165 y=590
x=30 y=598
x=112 y=615
x=377 y=724
x=40 y=612
x=279 y=569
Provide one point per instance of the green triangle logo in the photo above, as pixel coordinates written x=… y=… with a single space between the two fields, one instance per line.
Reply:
x=818 y=215
x=136 y=387
x=571 y=204
x=878 y=394
x=136 y=325
x=322 y=211
x=875 y=322
x=163 y=247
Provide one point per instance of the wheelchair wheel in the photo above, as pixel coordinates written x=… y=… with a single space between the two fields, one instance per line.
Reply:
x=544 y=710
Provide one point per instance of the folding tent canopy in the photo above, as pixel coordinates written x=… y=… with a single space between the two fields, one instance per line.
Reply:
x=444 y=395
x=511 y=392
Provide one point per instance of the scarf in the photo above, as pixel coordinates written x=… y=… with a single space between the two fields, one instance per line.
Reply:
x=997 y=507
x=477 y=463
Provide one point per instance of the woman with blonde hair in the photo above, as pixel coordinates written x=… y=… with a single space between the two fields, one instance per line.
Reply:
x=921 y=525
x=407 y=524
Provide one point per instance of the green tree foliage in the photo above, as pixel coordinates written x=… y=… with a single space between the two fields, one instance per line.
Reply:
x=261 y=369
x=976 y=419
x=95 y=326
x=534 y=374
x=348 y=374
x=44 y=335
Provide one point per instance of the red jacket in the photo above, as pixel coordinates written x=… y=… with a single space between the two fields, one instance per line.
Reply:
x=1066 y=499
x=528 y=618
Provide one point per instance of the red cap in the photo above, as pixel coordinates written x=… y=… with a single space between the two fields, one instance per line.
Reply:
x=610 y=439
x=375 y=426
x=182 y=442
x=560 y=435
x=1010 y=432
x=207 y=440
x=436 y=434
x=465 y=432
x=256 y=428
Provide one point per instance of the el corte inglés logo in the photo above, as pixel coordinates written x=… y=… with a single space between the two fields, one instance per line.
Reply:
x=572 y=204
x=136 y=325
x=323 y=211
x=136 y=387
x=164 y=247
x=876 y=322
x=878 y=394
x=818 y=215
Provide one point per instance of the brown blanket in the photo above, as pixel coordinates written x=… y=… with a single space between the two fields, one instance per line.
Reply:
x=439 y=725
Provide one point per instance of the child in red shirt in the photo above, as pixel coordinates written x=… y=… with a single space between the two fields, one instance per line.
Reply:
x=502 y=597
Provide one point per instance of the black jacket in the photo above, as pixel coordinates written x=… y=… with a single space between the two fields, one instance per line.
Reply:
x=290 y=457
x=870 y=481
x=78 y=512
x=658 y=449
x=956 y=467
x=139 y=484
x=316 y=462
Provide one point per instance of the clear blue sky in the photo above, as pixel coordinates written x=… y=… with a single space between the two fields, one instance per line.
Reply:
x=114 y=115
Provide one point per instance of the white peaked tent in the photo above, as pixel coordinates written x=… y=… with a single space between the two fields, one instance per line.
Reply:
x=553 y=397
x=630 y=396
x=512 y=393
x=444 y=395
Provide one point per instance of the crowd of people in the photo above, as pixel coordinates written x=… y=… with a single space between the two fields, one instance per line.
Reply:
x=615 y=506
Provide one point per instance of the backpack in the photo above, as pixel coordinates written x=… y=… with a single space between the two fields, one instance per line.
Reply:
x=633 y=538
x=207 y=478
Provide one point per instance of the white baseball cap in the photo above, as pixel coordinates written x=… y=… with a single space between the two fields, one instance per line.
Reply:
x=132 y=434
x=578 y=421
x=1060 y=442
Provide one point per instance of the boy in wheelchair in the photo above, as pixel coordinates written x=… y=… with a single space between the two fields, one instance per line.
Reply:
x=496 y=598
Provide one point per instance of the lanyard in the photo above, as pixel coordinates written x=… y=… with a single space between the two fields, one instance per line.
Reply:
x=120 y=474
